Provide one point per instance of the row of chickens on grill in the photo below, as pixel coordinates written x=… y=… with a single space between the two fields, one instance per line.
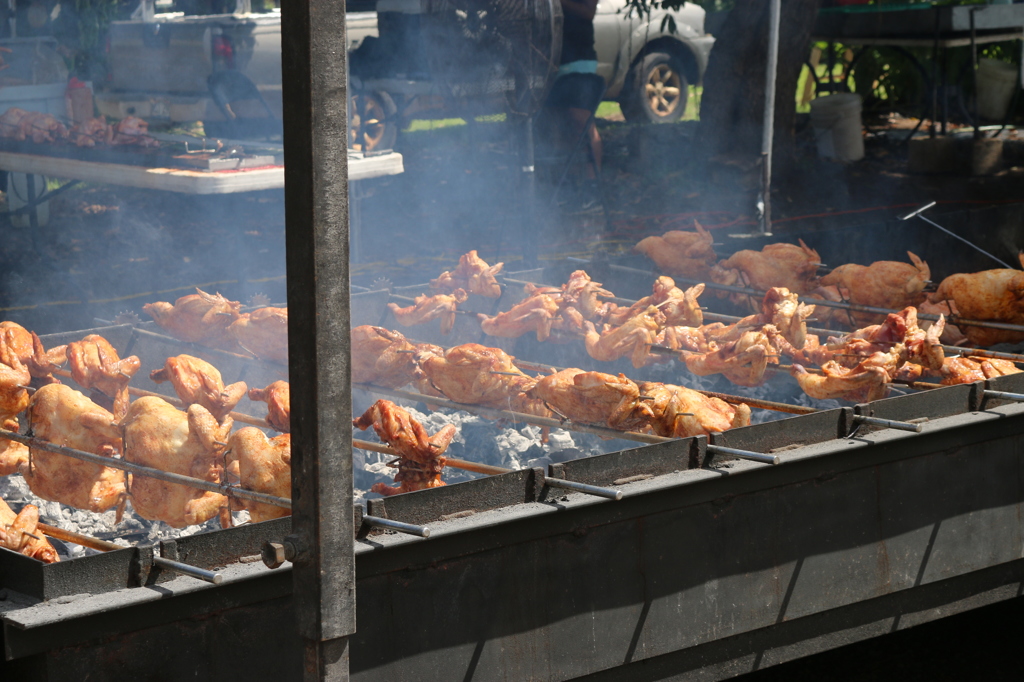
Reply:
x=857 y=366
x=18 y=124
x=994 y=295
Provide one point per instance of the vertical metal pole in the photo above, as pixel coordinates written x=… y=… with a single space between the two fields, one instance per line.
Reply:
x=768 y=133
x=313 y=63
x=531 y=231
x=974 y=76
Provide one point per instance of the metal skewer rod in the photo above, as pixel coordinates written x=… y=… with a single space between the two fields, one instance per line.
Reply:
x=887 y=423
x=186 y=569
x=761 y=404
x=1003 y=395
x=451 y=461
x=78 y=538
x=397 y=526
x=919 y=213
x=493 y=413
x=597 y=491
x=743 y=454
x=139 y=470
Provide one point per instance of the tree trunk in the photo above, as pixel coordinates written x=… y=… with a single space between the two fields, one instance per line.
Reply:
x=732 y=108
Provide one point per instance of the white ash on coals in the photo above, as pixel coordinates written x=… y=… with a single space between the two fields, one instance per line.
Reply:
x=514 y=446
x=133 y=529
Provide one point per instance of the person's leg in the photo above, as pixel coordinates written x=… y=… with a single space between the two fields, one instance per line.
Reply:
x=579 y=121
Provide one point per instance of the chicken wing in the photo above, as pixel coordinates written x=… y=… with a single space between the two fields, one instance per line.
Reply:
x=158 y=435
x=200 y=318
x=583 y=294
x=19 y=533
x=681 y=412
x=951 y=334
x=63 y=416
x=427 y=308
x=996 y=295
x=197 y=382
x=263 y=333
x=263 y=465
x=883 y=284
x=594 y=398
x=472 y=274
x=29 y=348
x=633 y=338
x=95 y=366
x=689 y=254
x=277 y=396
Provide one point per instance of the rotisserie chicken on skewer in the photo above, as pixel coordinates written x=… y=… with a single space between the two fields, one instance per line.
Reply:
x=427 y=308
x=421 y=457
x=583 y=294
x=962 y=370
x=688 y=254
x=13 y=455
x=197 y=382
x=776 y=265
x=63 y=416
x=26 y=345
x=261 y=464
x=478 y=375
x=199 y=318
x=384 y=357
x=883 y=284
x=996 y=295
x=857 y=385
x=263 y=333
x=277 y=396
x=536 y=313
x=634 y=338
x=594 y=398
x=14 y=380
x=679 y=307
x=743 y=361
x=19 y=533
x=95 y=366
x=158 y=435
x=681 y=412
x=472 y=274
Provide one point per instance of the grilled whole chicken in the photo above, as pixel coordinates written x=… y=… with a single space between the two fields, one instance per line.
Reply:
x=14 y=378
x=479 y=375
x=18 y=532
x=32 y=125
x=633 y=338
x=535 y=313
x=951 y=334
x=961 y=370
x=583 y=294
x=277 y=396
x=996 y=295
x=689 y=254
x=158 y=435
x=381 y=357
x=264 y=333
x=472 y=274
x=594 y=398
x=680 y=412
x=782 y=309
x=27 y=346
x=742 y=361
x=200 y=318
x=883 y=284
x=96 y=366
x=679 y=307
x=197 y=382
x=856 y=385
x=63 y=416
x=421 y=457
x=263 y=465
x=92 y=132
x=776 y=265
x=13 y=455
x=427 y=308
x=132 y=130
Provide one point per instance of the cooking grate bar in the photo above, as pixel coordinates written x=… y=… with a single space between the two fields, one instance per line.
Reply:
x=398 y=526
x=887 y=423
x=1003 y=395
x=743 y=454
x=186 y=569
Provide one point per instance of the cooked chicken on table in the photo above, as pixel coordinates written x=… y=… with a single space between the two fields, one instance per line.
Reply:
x=96 y=366
x=883 y=284
x=679 y=307
x=427 y=308
x=197 y=382
x=277 y=396
x=835 y=381
x=688 y=254
x=263 y=465
x=263 y=333
x=158 y=435
x=472 y=274
x=421 y=457
x=200 y=318
x=680 y=412
x=535 y=313
x=63 y=416
x=19 y=124
x=29 y=348
x=743 y=361
x=19 y=533
x=92 y=132
x=479 y=375
x=776 y=265
x=594 y=398
x=132 y=130
x=634 y=338
x=995 y=295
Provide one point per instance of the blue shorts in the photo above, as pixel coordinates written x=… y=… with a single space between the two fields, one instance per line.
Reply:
x=576 y=91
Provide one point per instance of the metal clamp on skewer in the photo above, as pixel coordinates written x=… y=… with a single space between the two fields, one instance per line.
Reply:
x=743 y=454
x=886 y=423
x=1003 y=395
x=597 y=491
x=398 y=526
x=186 y=569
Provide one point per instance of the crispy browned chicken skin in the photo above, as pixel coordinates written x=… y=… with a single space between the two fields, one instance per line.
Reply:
x=860 y=384
x=200 y=318
x=27 y=346
x=277 y=396
x=594 y=398
x=427 y=308
x=264 y=333
x=472 y=274
x=634 y=338
x=883 y=284
x=19 y=533
x=197 y=382
x=63 y=416
x=688 y=254
x=96 y=366
x=680 y=412
x=679 y=307
x=261 y=464
x=776 y=265
x=996 y=295
x=535 y=313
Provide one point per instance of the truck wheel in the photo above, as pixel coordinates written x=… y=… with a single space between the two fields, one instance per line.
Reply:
x=657 y=90
x=372 y=122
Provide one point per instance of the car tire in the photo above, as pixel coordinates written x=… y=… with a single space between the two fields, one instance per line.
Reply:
x=373 y=121
x=657 y=90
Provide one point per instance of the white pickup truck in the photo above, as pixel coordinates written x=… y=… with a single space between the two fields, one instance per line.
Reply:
x=160 y=62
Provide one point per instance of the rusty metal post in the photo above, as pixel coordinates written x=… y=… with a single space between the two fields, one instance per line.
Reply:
x=313 y=63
